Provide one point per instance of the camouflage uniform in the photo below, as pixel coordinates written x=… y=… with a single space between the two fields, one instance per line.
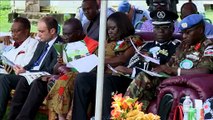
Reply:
x=200 y=55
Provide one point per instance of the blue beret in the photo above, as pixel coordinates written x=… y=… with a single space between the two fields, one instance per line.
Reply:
x=190 y=21
x=124 y=6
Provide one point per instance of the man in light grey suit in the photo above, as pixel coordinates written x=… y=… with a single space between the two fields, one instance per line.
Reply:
x=91 y=11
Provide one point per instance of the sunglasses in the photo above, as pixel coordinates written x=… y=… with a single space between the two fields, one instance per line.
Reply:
x=159 y=4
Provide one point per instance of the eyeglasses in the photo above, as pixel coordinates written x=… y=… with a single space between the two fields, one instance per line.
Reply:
x=15 y=30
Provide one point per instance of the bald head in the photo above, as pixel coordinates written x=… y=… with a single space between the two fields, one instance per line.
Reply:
x=72 y=30
x=74 y=24
x=188 y=9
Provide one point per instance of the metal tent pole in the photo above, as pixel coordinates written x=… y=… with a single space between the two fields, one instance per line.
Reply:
x=101 y=55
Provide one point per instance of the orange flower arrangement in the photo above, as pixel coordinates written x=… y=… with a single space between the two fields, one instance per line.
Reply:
x=126 y=108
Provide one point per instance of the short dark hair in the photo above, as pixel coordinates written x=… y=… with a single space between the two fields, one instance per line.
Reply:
x=93 y=1
x=123 y=23
x=25 y=23
x=51 y=22
x=193 y=6
x=76 y=24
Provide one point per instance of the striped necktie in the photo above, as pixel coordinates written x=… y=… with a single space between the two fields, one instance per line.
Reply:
x=37 y=63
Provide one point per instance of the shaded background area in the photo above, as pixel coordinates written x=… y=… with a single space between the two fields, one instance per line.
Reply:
x=34 y=9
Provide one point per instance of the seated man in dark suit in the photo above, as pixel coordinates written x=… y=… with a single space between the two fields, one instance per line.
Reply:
x=72 y=32
x=44 y=59
x=91 y=11
x=73 y=35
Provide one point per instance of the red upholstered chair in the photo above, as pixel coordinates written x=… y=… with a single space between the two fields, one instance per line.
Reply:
x=196 y=86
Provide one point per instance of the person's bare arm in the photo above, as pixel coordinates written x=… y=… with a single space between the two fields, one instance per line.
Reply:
x=124 y=69
x=120 y=59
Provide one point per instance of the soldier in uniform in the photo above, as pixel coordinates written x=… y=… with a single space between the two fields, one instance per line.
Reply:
x=193 y=56
x=160 y=50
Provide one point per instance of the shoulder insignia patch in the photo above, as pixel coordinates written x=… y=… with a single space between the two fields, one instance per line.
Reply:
x=209 y=51
x=176 y=41
x=139 y=11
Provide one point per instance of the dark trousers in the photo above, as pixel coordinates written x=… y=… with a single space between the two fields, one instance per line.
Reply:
x=27 y=99
x=7 y=83
x=84 y=93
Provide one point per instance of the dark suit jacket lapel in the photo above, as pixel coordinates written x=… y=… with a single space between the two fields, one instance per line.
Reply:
x=36 y=55
x=85 y=27
x=50 y=52
x=39 y=52
x=94 y=26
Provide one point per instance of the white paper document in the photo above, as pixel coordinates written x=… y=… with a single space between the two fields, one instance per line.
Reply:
x=31 y=76
x=111 y=68
x=3 y=71
x=85 y=64
x=75 y=49
x=147 y=58
x=150 y=59
x=153 y=73
x=7 y=61
x=117 y=72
